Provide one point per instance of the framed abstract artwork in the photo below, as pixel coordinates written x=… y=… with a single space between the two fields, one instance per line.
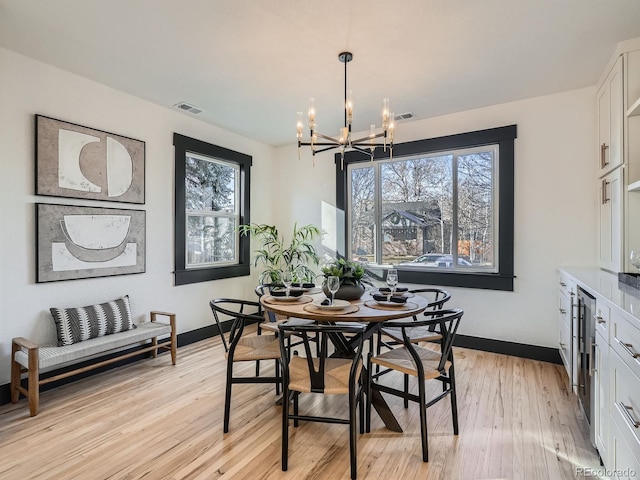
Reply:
x=80 y=162
x=86 y=242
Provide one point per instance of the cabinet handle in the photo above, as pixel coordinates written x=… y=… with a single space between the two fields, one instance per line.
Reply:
x=600 y=320
x=562 y=311
x=603 y=155
x=627 y=413
x=604 y=192
x=628 y=347
x=562 y=284
x=563 y=345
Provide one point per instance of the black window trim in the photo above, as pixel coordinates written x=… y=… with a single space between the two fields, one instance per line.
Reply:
x=183 y=276
x=504 y=137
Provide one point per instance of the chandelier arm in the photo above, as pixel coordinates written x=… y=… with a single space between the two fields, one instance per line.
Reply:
x=331 y=139
x=364 y=139
x=362 y=150
x=325 y=149
x=321 y=144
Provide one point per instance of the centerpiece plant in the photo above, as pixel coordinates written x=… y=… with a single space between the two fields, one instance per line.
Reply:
x=352 y=275
x=275 y=255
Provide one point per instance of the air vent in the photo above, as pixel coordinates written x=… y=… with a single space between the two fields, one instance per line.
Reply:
x=188 y=108
x=403 y=116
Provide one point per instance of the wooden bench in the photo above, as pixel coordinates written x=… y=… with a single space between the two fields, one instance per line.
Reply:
x=28 y=357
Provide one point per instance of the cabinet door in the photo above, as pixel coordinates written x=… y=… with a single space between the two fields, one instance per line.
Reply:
x=601 y=396
x=610 y=120
x=610 y=221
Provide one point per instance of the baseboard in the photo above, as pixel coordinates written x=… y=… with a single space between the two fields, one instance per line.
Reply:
x=522 y=350
x=532 y=352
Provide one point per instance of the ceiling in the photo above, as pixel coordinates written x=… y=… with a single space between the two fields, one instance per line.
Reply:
x=251 y=65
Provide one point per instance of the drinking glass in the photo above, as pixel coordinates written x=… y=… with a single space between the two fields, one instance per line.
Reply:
x=287 y=278
x=634 y=259
x=333 y=284
x=392 y=279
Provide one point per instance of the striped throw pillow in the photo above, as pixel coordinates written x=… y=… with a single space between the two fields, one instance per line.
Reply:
x=77 y=324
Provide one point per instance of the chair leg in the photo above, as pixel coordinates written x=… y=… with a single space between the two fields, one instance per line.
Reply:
x=406 y=390
x=369 y=380
x=423 y=420
x=353 y=452
x=361 y=406
x=295 y=408
x=258 y=369
x=227 y=396
x=285 y=428
x=277 y=370
x=454 y=401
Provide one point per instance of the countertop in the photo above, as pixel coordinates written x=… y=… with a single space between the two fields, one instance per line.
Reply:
x=606 y=286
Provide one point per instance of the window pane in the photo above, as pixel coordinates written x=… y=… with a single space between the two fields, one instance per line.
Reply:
x=363 y=223
x=416 y=209
x=475 y=207
x=210 y=185
x=210 y=240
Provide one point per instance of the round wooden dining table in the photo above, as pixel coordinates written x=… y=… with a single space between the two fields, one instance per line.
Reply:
x=364 y=310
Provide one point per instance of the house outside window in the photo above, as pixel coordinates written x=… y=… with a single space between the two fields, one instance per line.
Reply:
x=440 y=210
x=212 y=200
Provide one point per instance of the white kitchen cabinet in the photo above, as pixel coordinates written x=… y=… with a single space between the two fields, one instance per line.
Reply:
x=610 y=119
x=601 y=380
x=610 y=220
x=568 y=340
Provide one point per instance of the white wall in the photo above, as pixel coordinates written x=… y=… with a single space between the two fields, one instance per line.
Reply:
x=28 y=87
x=555 y=206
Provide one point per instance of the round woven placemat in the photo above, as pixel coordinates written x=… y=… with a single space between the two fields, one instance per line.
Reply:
x=324 y=311
x=400 y=307
x=300 y=301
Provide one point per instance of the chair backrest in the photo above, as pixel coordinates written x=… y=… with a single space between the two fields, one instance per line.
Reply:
x=265 y=289
x=234 y=309
x=321 y=333
x=447 y=320
x=436 y=297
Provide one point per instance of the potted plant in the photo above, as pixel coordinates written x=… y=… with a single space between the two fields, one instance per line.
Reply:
x=352 y=277
x=275 y=255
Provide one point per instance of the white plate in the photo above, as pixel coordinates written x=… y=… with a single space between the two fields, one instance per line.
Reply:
x=337 y=304
x=390 y=304
x=397 y=294
x=284 y=299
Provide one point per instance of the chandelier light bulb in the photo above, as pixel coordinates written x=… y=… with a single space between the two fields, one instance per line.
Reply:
x=312 y=114
x=349 y=107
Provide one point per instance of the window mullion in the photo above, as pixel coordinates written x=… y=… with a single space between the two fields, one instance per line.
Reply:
x=378 y=213
x=454 y=211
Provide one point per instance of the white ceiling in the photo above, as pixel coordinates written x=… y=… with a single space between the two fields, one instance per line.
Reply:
x=252 y=64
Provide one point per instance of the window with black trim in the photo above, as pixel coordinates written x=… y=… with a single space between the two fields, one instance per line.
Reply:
x=440 y=210
x=211 y=201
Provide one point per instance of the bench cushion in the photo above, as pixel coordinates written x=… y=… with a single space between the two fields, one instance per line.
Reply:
x=75 y=325
x=50 y=356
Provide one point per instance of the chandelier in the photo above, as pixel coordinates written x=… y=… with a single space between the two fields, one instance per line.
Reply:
x=367 y=145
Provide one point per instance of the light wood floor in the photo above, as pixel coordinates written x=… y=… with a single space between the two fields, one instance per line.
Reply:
x=154 y=421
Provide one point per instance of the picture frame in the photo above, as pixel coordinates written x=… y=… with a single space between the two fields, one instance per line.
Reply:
x=74 y=161
x=76 y=242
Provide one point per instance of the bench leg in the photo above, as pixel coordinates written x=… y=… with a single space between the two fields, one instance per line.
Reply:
x=174 y=339
x=16 y=370
x=34 y=387
x=154 y=342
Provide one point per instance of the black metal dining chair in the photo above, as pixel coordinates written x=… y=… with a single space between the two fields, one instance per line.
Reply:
x=390 y=335
x=244 y=348
x=321 y=374
x=424 y=364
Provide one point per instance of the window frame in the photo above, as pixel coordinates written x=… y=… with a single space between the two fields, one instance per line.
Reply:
x=185 y=275
x=504 y=137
